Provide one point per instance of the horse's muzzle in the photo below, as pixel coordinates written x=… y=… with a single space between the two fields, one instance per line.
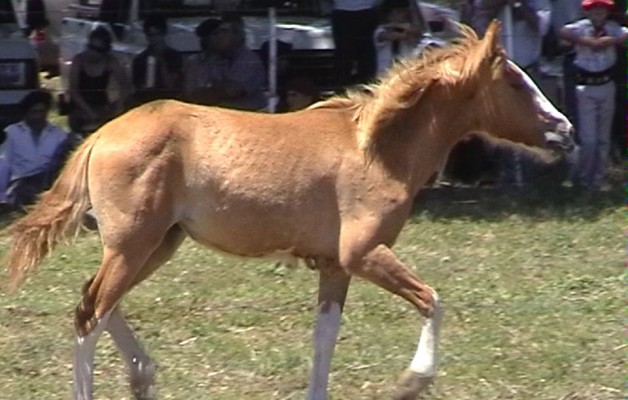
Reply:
x=561 y=139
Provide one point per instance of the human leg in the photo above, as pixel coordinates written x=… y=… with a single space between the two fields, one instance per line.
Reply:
x=587 y=126
x=343 y=46
x=365 y=23
x=605 y=95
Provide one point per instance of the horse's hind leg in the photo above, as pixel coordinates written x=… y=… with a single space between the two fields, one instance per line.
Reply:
x=141 y=367
x=123 y=259
x=84 y=349
x=382 y=267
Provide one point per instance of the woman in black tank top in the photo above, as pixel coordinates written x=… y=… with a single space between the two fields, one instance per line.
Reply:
x=94 y=88
x=90 y=77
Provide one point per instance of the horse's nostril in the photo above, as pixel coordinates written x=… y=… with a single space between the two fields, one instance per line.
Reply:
x=565 y=127
x=562 y=141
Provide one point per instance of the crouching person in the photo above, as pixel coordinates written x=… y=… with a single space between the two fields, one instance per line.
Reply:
x=32 y=153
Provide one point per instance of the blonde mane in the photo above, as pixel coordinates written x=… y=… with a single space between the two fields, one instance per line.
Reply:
x=405 y=83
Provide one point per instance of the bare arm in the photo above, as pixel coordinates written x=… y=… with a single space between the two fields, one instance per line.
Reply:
x=572 y=37
x=592 y=42
x=608 y=41
x=621 y=39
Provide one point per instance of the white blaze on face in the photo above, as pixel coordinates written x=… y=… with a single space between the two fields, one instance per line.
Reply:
x=547 y=108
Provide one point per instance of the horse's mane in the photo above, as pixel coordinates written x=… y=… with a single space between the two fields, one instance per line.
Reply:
x=405 y=83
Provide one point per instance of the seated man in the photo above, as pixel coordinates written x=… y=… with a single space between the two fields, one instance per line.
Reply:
x=158 y=70
x=32 y=154
x=226 y=73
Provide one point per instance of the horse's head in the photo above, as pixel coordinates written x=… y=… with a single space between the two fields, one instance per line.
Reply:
x=515 y=108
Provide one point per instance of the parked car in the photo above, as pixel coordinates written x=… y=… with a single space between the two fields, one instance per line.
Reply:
x=18 y=66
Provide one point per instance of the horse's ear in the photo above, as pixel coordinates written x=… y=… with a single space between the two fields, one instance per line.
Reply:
x=491 y=42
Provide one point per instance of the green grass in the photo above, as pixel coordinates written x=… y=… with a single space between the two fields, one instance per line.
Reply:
x=532 y=283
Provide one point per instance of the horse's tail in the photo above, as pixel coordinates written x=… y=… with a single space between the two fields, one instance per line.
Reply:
x=57 y=216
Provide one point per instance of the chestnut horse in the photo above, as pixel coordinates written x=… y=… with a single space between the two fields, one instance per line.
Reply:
x=332 y=185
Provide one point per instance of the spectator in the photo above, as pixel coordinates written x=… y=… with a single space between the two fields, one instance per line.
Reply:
x=531 y=19
x=32 y=152
x=396 y=37
x=158 y=70
x=466 y=9
x=90 y=78
x=595 y=38
x=300 y=93
x=353 y=24
x=226 y=73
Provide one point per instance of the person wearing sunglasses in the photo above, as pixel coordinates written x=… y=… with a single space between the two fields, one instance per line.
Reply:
x=91 y=77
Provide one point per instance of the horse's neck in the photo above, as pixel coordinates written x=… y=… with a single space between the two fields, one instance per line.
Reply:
x=434 y=125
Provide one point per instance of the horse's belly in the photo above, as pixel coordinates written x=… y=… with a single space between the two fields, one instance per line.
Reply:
x=252 y=228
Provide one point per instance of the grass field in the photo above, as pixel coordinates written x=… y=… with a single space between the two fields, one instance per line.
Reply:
x=533 y=287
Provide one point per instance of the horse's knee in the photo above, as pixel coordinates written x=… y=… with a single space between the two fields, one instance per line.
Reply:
x=382 y=267
x=142 y=378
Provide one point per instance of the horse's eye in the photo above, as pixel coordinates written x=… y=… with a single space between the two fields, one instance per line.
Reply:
x=514 y=79
x=519 y=85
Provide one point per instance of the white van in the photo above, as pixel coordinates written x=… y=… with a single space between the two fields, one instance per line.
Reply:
x=18 y=66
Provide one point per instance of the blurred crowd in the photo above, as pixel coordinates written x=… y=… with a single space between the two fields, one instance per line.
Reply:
x=579 y=45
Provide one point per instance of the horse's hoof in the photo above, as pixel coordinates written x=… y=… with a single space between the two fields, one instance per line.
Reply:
x=144 y=391
x=411 y=384
x=148 y=394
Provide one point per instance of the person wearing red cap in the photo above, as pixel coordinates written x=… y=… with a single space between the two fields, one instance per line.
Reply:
x=595 y=40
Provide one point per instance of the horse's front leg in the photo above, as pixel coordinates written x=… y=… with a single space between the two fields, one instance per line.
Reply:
x=422 y=371
x=380 y=266
x=332 y=292
x=141 y=368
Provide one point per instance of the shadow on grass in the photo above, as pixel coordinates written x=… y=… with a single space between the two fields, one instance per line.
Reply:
x=492 y=203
